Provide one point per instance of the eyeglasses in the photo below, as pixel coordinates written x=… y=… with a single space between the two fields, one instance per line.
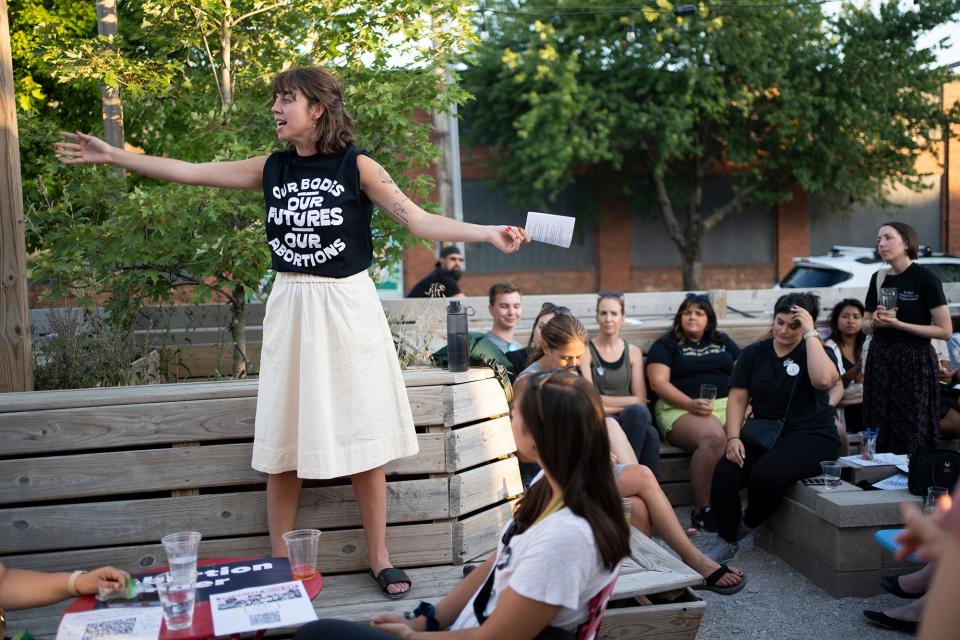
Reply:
x=610 y=294
x=699 y=297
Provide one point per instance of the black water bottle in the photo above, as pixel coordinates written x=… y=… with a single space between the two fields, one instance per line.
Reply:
x=458 y=337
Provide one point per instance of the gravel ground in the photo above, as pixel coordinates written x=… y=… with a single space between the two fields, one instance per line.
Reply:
x=780 y=603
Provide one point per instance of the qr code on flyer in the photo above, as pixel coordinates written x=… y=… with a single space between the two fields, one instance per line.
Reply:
x=264 y=618
x=105 y=629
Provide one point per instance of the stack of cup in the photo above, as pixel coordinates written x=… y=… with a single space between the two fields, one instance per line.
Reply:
x=177 y=587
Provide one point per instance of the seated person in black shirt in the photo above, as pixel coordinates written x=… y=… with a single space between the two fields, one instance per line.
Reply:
x=442 y=282
x=786 y=377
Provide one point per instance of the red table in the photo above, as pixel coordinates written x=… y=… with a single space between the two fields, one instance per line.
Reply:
x=202 y=627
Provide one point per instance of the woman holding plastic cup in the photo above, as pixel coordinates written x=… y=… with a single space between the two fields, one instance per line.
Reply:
x=689 y=369
x=900 y=390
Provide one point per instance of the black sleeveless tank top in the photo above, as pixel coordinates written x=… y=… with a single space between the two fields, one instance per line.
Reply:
x=318 y=219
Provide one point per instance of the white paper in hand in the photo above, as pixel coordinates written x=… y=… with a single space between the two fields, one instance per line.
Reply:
x=550 y=228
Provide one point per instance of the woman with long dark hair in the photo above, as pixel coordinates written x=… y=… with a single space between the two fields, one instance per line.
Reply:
x=900 y=391
x=563 y=546
x=785 y=378
x=846 y=339
x=691 y=356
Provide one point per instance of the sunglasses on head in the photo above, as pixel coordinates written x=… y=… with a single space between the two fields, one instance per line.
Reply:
x=699 y=297
x=549 y=307
x=610 y=294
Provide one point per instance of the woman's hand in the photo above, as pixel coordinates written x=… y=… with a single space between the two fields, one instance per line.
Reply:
x=922 y=534
x=508 y=239
x=399 y=629
x=103 y=578
x=83 y=149
x=885 y=319
x=700 y=407
x=736 y=452
x=803 y=316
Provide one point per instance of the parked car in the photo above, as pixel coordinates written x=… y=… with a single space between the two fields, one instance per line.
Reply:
x=846 y=266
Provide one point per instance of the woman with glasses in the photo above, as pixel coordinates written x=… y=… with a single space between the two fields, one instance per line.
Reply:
x=561 y=551
x=616 y=370
x=686 y=366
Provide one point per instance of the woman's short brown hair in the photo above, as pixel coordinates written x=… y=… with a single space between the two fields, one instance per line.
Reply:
x=909 y=236
x=334 y=129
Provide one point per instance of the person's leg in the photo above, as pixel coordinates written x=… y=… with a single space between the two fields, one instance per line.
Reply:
x=637 y=425
x=339 y=630
x=619 y=445
x=370 y=488
x=795 y=456
x=639 y=482
x=283 y=496
x=918 y=581
x=705 y=439
x=728 y=480
x=950 y=424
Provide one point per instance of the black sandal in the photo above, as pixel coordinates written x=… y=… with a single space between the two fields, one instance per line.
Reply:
x=891 y=584
x=392 y=575
x=712 y=580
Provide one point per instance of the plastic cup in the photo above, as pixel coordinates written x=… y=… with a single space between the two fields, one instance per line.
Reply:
x=888 y=299
x=627 y=508
x=708 y=392
x=830 y=469
x=182 y=549
x=933 y=495
x=302 y=551
x=177 y=597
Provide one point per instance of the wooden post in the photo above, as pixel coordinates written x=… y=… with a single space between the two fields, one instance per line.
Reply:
x=16 y=357
x=112 y=106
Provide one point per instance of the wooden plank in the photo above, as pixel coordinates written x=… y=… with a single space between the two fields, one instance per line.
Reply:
x=473 y=401
x=678 y=493
x=674 y=621
x=428 y=376
x=484 y=486
x=652 y=569
x=100 y=427
x=426 y=403
x=478 y=443
x=674 y=470
x=475 y=537
x=225 y=514
x=187 y=468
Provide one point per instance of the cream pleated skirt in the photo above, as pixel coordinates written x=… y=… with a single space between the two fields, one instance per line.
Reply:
x=331 y=400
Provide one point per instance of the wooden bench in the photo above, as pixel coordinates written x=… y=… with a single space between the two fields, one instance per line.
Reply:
x=96 y=476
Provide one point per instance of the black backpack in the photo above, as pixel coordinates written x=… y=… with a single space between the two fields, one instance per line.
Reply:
x=933 y=468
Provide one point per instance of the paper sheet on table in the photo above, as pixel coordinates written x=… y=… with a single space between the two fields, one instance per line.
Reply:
x=141 y=623
x=893 y=483
x=879 y=460
x=905 y=467
x=276 y=605
x=550 y=228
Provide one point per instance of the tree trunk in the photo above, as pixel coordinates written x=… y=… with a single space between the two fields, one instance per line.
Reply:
x=110 y=97
x=238 y=331
x=692 y=263
x=225 y=56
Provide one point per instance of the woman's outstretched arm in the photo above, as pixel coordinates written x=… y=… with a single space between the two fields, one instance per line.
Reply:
x=80 y=148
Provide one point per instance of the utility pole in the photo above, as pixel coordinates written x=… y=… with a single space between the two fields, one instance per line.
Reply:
x=112 y=106
x=16 y=357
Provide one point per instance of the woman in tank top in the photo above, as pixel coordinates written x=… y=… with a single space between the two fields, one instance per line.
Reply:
x=327 y=347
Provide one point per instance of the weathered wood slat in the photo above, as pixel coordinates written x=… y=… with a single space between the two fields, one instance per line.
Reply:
x=484 y=486
x=678 y=493
x=674 y=470
x=478 y=443
x=675 y=621
x=475 y=537
x=426 y=403
x=480 y=400
x=130 y=521
x=186 y=468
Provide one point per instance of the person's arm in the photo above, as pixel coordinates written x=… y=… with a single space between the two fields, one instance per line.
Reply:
x=820 y=366
x=737 y=401
x=941 y=616
x=638 y=385
x=380 y=187
x=939 y=329
x=23 y=589
x=584 y=367
x=835 y=393
x=239 y=174
x=660 y=383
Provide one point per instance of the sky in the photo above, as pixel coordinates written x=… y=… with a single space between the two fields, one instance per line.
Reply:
x=952 y=31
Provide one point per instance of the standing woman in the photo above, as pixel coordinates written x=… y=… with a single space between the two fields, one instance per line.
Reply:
x=327 y=348
x=785 y=377
x=615 y=368
x=900 y=391
x=692 y=354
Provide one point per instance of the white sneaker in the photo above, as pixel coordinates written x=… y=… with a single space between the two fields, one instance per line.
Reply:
x=722 y=551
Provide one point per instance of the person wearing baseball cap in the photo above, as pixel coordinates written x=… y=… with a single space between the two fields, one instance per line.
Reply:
x=442 y=282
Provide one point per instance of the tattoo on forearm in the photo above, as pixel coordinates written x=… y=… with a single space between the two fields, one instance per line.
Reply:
x=396 y=211
x=384 y=176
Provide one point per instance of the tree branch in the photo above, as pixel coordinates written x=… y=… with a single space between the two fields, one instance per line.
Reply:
x=260 y=10
x=666 y=208
x=206 y=45
x=735 y=204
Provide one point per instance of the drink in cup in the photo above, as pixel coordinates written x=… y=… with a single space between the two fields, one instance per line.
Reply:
x=830 y=470
x=888 y=300
x=177 y=596
x=933 y=497
x=302 y=551
x=182 y=549
x=708 y=392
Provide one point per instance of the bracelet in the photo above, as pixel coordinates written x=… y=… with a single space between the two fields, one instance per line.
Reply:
x=810 y=334
x=428 y=611
x=733 y=438
x=72 y=582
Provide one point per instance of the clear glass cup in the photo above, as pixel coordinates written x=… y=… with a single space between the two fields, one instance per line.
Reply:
x=830 y=469
x=177 y=597
x=933 y=496
x=182 y=549
x=302 y=550
x=888 y=299
x=708 y=392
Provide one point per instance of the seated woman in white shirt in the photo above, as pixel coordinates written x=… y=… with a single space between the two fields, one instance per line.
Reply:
x=563 y=547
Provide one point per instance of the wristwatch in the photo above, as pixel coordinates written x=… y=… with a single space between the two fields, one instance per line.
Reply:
x=428 y=611
x=810 y=334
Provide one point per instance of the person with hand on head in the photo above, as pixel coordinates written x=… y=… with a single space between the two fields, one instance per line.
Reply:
x=902 y=364
x=615 y=368
x=560 y=552
x=23 y=588
x=680 y=364
x=443 y=281
x=326 y=342
x=786 y=378
x=506 y=307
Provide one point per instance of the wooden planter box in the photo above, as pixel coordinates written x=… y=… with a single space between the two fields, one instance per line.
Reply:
x=96 y=476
